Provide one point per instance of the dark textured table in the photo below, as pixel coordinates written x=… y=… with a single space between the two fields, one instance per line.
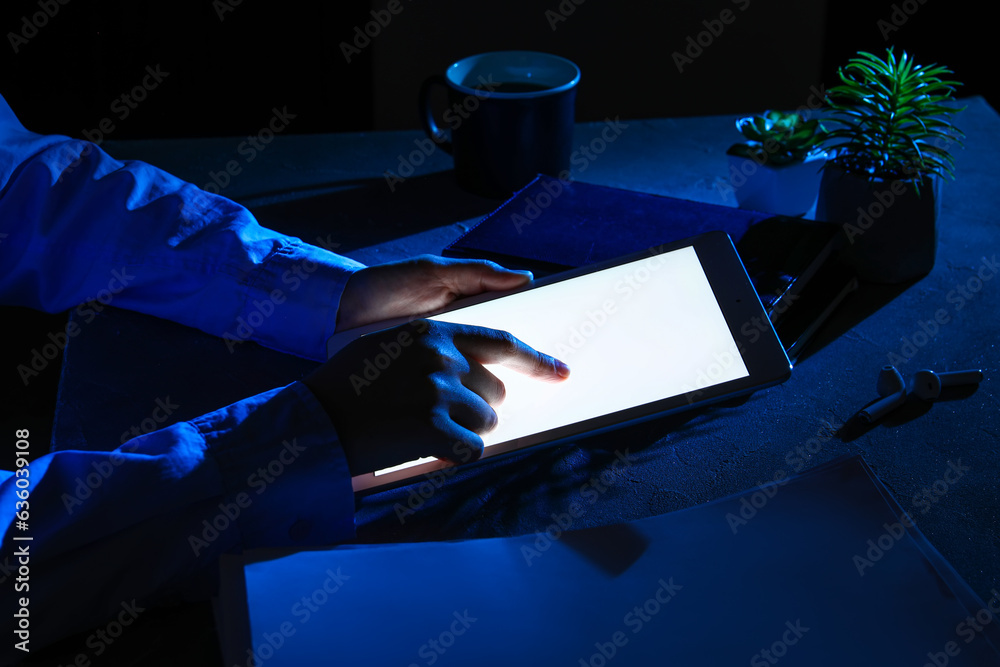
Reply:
x=332 y=187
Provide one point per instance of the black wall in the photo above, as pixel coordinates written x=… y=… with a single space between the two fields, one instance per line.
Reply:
x=229 y=64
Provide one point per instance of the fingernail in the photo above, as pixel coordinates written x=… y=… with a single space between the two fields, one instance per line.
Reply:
x=562 y=369
x=530 y=275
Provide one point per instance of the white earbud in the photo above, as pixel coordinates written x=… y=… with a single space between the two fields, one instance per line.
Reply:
x=892 y=389
x=927 y=384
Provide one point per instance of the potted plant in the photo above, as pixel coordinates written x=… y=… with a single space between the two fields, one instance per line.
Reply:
x=890 y=144
x=777 y=168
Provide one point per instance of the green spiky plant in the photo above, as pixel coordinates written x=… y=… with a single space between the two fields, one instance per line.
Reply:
x=777 y=138
x=891 y=117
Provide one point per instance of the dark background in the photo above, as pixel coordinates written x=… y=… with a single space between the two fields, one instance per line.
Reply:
x=231 y=64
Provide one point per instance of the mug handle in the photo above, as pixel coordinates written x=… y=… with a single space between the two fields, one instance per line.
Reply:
x=437 y=135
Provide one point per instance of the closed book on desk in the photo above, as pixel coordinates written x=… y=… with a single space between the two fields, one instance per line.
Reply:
x=553 y=225
x=823 y=567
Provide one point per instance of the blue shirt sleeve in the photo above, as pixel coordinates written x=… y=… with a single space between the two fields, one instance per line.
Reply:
x=147 y=521
x=77 y=225
x=116 y=529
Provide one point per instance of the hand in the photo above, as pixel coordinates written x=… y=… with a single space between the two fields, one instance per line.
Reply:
x=420 y=389
x=418 y=286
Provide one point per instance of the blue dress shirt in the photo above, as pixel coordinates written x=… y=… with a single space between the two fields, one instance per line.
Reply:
x=114 y=529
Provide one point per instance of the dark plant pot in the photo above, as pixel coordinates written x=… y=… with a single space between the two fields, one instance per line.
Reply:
x=891 y=229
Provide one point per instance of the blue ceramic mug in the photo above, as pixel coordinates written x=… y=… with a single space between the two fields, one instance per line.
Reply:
x=510 y=116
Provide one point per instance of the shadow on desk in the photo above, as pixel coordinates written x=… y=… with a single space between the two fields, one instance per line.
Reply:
x=516 y=494
x=867 y=300
x=358 y=213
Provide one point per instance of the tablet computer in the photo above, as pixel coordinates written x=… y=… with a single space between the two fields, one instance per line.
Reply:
x=649 y=334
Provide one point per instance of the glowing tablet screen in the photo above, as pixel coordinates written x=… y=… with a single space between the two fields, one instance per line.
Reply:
x=632 y=334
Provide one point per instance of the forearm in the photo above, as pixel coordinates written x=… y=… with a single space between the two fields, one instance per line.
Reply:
x=77 y=225
x=150 y=519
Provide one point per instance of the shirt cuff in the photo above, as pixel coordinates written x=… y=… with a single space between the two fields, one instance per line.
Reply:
x=284 y=474
x=293 y=300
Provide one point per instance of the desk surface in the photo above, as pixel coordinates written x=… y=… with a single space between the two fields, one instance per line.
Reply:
x=332 y=186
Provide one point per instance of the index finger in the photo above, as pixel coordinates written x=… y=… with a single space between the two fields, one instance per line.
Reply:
x=493 y=346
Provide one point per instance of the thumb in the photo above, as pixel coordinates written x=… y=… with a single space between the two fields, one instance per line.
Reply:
x=469 y=278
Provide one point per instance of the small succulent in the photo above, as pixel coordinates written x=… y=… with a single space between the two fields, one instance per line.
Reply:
x=892 y=118
x=778 y=138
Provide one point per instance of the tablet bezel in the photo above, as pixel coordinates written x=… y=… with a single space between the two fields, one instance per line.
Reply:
x=763 y=354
